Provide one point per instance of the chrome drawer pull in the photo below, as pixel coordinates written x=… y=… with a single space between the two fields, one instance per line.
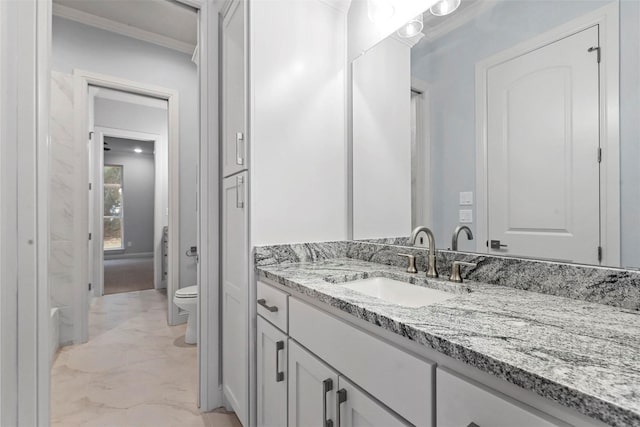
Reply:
x=279 y=375
x=239 y=140
x=327 y=386
x=341 y=397
x=240 y=192
x=271 y=308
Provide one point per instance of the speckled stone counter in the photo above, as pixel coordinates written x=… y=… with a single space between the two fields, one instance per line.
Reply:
x=582 y=355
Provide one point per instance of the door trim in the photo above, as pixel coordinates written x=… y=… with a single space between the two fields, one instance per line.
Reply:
x=82 y=81
x=209 y=183
x=609 y=27
x=25 y=38
x=98 y=202
x=423 y=138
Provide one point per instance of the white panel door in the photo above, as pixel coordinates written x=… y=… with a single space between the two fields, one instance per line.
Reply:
x=235 y=300
x=272 y=375
x=233 y=90
x=357 y=409
x=312 y=389
x=543 y=140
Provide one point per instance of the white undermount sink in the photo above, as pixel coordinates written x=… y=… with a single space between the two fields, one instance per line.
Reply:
x=397 y=292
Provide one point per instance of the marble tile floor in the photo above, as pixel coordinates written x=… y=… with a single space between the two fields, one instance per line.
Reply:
x=134 y=371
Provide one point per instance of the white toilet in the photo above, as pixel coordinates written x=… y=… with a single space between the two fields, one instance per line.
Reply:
x=187 y=299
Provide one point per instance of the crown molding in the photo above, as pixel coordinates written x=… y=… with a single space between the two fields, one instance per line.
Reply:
x=341 y=6
x=457 y=19
x=407 y=41
x=122 y=29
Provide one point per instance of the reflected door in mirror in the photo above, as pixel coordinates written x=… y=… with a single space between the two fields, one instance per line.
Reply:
x=543 y=139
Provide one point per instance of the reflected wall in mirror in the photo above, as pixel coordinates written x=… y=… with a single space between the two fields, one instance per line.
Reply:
x=517 y=118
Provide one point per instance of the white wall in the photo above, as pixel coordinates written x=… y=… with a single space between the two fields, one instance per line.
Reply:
x=382 y=141
x=82 y=47
x=65 y=271
x=138 y=199
x=297 y=138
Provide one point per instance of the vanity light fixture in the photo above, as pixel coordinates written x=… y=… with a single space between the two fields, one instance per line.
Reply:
x=138 y=150
x=411 y=28
x=444 y=7
x=379 y=10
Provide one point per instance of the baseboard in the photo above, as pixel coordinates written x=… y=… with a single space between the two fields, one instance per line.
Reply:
x=54 y=333
x=126 y=256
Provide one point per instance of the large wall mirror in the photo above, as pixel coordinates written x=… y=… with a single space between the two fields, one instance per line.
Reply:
x=517 y=118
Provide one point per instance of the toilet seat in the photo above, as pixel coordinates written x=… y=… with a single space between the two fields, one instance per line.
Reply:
x=188 y=292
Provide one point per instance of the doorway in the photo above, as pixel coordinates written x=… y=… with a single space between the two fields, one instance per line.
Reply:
x=121 y=118
x=132 y=241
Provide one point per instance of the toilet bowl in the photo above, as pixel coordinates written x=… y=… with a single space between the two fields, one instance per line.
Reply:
x=187 y=299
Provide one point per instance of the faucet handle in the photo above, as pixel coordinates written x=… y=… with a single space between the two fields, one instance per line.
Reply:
x=411 y=266
x=455 y=270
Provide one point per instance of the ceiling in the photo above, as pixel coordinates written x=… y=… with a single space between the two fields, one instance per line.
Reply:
x=121 y=145
x=168 y=20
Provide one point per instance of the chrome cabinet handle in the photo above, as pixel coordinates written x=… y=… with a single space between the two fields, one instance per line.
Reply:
x=239 y=192
x=239 y=140
x=279 y=375
x=341 y=397
x=327 y=386
x=271 y=308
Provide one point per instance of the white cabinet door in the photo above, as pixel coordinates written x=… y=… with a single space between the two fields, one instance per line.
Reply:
x=233 y=90
x=399 y=380
x=312 y=389
x=272 y=376
x=235 y=300
x=461 y=403
x=357 y=409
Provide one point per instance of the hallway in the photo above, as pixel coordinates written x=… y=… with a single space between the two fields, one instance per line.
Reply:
x=134 y=371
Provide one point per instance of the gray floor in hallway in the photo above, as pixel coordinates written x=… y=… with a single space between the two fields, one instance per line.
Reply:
x=126 y=275
x=134 y=371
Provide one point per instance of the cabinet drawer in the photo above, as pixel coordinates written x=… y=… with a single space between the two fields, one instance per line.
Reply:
x=401 y=381
x=464 y=402
x=273 y=305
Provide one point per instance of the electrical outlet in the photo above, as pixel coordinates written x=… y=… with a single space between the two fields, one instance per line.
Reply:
x=129 y=244
x=466 y=216
x=466 y=198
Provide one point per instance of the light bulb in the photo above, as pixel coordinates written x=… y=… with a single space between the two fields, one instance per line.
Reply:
x=411 y=28
x=138 y=150
x=444 y=7
x=379 y=10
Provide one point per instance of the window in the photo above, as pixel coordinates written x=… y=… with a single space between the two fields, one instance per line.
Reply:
x=113 y=239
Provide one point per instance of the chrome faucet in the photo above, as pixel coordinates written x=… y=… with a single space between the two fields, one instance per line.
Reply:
x=456 y=234
x=432 y=271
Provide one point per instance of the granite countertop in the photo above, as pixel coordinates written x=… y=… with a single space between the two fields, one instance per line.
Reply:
x=582 y=355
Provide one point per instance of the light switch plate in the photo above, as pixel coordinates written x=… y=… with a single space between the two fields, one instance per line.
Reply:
x=466 y=216
x=466 y=198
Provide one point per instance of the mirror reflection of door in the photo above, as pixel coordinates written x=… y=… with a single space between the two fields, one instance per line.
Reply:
x=542 y=152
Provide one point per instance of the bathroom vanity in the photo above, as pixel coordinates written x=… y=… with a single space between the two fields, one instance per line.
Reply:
x=505 y=120
x=490 y=355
